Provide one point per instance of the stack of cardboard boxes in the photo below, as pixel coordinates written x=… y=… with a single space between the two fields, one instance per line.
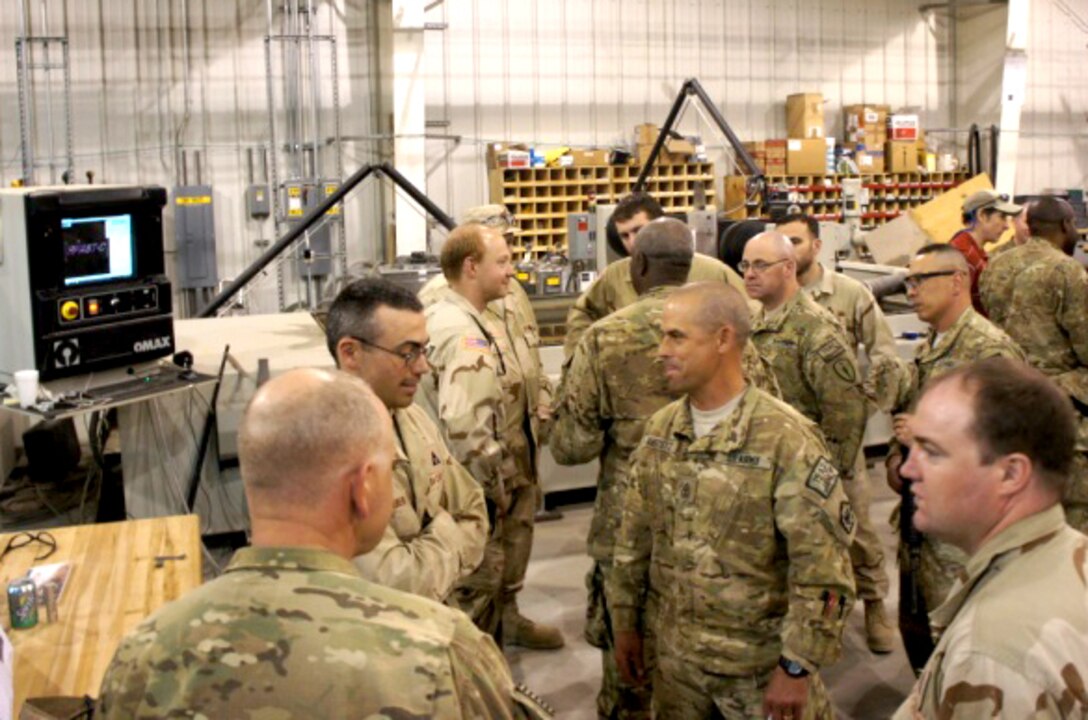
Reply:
x=865 y=131
x=676 y=149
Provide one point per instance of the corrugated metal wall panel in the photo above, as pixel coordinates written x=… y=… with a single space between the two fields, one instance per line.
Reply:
x=585 y=72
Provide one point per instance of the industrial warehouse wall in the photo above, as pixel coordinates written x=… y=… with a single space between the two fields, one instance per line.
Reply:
x=132 y=70
x=585 y=72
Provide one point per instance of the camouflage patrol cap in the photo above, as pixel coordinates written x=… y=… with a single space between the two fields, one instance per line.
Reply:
x=494 y=216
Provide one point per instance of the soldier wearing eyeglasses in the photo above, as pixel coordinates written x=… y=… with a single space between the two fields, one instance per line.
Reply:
x=806 y=346
x=376 y=331
x=939 y=288
x=481 y=394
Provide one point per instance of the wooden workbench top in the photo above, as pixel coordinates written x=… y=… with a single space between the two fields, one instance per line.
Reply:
x=113 y=584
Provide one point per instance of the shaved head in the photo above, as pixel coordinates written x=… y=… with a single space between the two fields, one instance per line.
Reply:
x=303 y=430
x=770 y=245
x=716 y=306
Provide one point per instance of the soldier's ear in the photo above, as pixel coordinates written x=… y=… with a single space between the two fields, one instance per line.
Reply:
x=1016 y=473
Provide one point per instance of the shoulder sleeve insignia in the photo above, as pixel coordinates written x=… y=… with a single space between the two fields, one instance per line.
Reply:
x=830 y=350
x=846 y=517
x=823 y=478
x=478 y=344
x=845 y=370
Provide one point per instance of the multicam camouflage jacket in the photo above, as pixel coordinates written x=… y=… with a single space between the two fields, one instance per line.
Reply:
x=733 y=548
x=295 y=633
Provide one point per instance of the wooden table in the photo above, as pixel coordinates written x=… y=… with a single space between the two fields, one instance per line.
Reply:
x=112 y=586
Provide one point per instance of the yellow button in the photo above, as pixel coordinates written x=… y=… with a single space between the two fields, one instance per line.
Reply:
x=92 y=307
x=69 y=310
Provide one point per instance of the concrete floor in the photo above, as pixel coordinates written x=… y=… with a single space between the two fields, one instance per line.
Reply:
x=863 y=686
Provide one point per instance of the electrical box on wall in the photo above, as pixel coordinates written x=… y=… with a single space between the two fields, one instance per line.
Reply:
x=258 y=202
x=194 y=234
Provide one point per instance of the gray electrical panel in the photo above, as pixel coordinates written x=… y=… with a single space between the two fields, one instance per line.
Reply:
x=581 y=237
x=258 y=202
x=194 y=234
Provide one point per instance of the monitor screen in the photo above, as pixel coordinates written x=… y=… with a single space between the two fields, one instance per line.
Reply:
x=97 y=249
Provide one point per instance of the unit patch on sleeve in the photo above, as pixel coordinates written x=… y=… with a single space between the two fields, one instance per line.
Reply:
x=830 y=350
x=847 y=517
x=823 y=478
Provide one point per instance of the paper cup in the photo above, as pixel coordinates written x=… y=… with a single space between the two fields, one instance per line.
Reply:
x=26 y=384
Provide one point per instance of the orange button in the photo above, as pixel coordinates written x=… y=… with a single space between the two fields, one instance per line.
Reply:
x=69 y=310
x=92 y=307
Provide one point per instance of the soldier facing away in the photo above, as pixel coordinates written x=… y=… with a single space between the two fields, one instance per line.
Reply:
x=376 y=331
x=290 y=630
x=732 y=550
x=992 y=445
x=613 y=289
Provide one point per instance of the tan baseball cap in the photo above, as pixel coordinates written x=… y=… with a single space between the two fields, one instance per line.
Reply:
x=990 y=199
x=495 y=216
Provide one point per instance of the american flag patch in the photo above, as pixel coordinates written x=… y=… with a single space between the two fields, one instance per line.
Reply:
x=475 y=343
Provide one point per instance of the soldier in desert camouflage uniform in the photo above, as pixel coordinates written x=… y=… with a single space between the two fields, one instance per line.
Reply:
x=992 y=446
x=938 y=286
x=613 y=289
x=1038 y=294
x=479 y=395
x=857 y=310
x=732 y=550
x=290 y=630
x=376 y=331
x=512 y=315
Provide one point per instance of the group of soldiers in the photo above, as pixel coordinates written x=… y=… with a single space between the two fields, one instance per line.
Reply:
x=731 y=533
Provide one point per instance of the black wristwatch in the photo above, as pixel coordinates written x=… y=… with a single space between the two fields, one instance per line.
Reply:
x=793 y=668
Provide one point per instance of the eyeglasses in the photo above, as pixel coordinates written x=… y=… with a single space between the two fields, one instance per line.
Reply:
x=23 y=539
x=408 y=356
x=758 y=267
x=914 y=281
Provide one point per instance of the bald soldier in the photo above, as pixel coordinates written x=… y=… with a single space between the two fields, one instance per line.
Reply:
x=290 y=630
x=479 y=397
x=613 y=289
x=376 y=331
x=732 y=549
x=856 y=308
x=513 y=319
x=939 y=288
x=1038 y=294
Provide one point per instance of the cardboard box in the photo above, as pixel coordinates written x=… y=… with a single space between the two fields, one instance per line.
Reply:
x=495 y=149
x=866 y=124
x=901 y=156
x=776 y=149
x=585 y=158
x=805 y=116
x=758 y=151
x=775 y=167
x=680 y=146
x=663 y=158
x=646 y=133
x=512 y=159
x=870 y=162
x=806 y=157
x=903 y=127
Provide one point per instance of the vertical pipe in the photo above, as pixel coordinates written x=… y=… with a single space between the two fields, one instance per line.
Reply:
x=27 y=118
x=315 y=92
x=48 y=65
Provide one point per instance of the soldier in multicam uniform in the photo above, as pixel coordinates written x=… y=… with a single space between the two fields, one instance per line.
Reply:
x=732 y=549
x=479 y=394
x=290 y=630
x=613 y=289
x=854 y=306
x=938 y=286
x=993 y=443
x=1038 y=294
x=512 y=316
x=376 y=331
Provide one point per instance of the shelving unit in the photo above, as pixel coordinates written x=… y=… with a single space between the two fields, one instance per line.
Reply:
x=890 y=195
x=541 y=198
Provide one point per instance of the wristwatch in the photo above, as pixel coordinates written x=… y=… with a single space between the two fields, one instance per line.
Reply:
x=793 y=668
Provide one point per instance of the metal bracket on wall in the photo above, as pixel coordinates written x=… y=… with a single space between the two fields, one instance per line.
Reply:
x=315 y=215
x=692 y=87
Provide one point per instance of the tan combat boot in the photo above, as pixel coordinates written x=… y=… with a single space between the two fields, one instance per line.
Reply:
x=520 y=630
x=879 y=632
